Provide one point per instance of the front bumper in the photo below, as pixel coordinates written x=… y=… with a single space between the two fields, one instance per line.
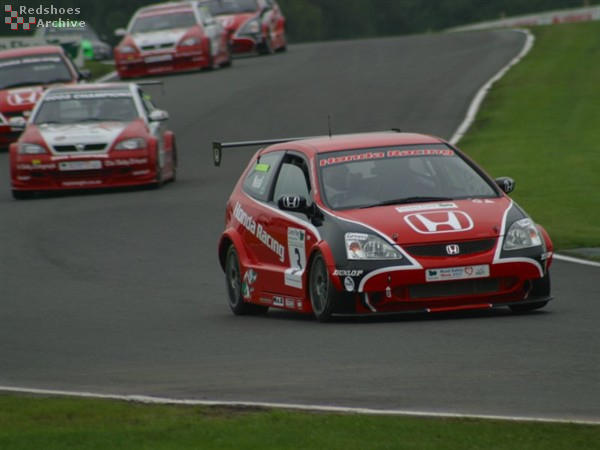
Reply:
x=49 y=173
x=146 y=64
x=401 y=289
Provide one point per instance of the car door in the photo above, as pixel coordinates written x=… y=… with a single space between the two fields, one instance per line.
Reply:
x=292 y=229
x=157 y=129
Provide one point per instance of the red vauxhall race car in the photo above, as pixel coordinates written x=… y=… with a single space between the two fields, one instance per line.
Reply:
x=377 y=223
x=26 y=73
x=91 y=136
x=171 y=37
x=253 y=25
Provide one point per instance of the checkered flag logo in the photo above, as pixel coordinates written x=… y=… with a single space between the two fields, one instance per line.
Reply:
x=14 y=20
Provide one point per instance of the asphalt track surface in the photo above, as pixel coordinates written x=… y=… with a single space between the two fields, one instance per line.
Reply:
x=121 y=292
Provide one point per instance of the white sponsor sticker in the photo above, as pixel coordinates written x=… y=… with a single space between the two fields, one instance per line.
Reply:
x=79 y=165
x=158 y=58
x=424 y=206
x=297 y=255
x=457 y=273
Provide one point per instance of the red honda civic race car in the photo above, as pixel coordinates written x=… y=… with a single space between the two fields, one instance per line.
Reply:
x=377 y=223
x=91 y=136
x=26 y=73
x=171 y=37
x=253 y=25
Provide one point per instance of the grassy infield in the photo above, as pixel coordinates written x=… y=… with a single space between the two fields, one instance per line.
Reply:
x=540 y=125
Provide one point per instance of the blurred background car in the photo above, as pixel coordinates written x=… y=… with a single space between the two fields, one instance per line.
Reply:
x=171 y=37
x=253 y=25
x=93 y=136
x=26 y=73
x=92 y=46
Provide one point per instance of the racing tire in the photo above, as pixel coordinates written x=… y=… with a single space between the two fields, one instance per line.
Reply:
x=233 y=280
x=22 y=195
x=540 y=288
x=266 y=46
x=174 y=177
x=323 y=296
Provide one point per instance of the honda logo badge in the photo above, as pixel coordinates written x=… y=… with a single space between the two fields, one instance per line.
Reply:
x=452 y=249
x=439 y=222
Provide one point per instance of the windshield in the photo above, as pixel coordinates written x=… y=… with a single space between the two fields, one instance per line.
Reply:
x=156 y=22
x=86 y=107
x=219 y=7
x=68 y=32
x=34 y=70
x=394 y=175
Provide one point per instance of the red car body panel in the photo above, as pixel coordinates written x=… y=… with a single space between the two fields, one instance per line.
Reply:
x=19 y=101
x=276 y=248
x=162 y=51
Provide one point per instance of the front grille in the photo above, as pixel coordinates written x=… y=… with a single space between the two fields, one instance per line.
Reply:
x=455 y=288
x=84 y=148
x=158 y=46
x=439 y=250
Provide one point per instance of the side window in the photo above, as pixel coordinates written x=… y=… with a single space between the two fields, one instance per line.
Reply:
x=258 y=180
x=146 y=102
x=293 y=179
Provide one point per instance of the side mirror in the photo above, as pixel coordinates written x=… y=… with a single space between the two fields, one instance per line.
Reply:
x=158 y=115
x=295 y=203
x=506 y=184
x=120 y=32
x=84 y=74
x=17 y=123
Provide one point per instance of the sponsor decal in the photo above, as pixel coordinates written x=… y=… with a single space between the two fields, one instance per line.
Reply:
x=290 y=303
x=136 y=173
x=278 y=301
x=249 y=279
x=349 y=284
x=348 y=273
x=439 y=222
x=426 y=206
x=357 y=236
x=297 y=255
x=125 y=162
x=379 y=155
x=82 y=183
x=36 y=166
x=87 y=95
x=248 y=222
x=457 y=273
x=22 y=97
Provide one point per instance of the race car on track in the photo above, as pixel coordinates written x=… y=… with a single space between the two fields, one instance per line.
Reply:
x=377 y=223
x=25 y=74
x=93 y=136
x=253 y=25
x=171 y=37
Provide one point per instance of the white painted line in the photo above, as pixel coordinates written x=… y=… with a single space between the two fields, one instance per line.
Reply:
x=107 y=77
x=576 y=260
x=297 y=407
x=478 y=99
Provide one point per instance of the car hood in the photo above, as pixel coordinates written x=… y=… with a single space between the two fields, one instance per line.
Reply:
x=81 y=133
x=231 y=22
x=162 y=37
x=430 y=222
x=20 y=99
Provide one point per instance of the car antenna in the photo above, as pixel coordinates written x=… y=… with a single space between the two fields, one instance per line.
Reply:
x=329 y=122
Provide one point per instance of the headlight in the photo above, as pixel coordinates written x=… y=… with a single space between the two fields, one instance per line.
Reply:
x=131 y=144
x=522 y=234
x=30 y=149
x=369 y=246
x=188 y=42
x=125 y=49
x=250 y=27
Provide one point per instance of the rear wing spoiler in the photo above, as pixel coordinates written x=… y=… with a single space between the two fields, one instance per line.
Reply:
x=219 y=146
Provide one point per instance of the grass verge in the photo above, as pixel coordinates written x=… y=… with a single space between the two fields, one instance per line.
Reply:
x=66 y=423
x=540 y=125
x=99 y=68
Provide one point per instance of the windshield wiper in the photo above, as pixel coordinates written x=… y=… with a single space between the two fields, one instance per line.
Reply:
x=405 y=200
